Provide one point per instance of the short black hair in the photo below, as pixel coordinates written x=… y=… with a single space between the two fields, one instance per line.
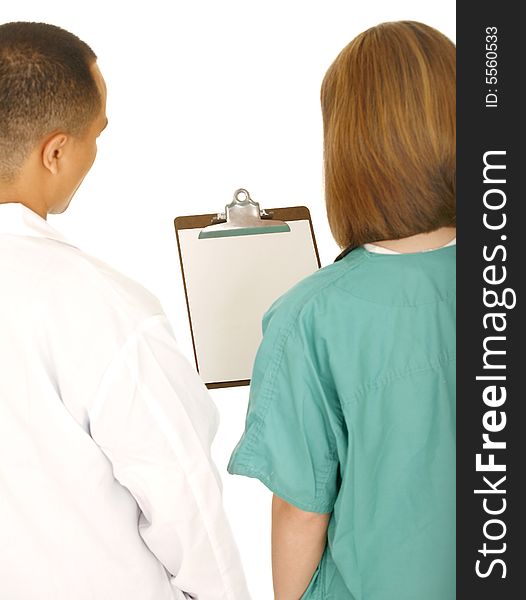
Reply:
x=45 y=85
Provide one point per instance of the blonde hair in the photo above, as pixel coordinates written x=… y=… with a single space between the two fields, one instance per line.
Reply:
x=388 y=103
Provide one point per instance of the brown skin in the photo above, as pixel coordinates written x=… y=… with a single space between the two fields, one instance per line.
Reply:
x=56 y=167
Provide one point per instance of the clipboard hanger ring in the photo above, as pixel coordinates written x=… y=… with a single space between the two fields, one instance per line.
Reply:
x=243 y=192
x=243 y=216
x=242 y=208
x=247 y=200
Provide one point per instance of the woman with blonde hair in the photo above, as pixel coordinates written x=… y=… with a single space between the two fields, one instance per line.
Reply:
x=351 y=420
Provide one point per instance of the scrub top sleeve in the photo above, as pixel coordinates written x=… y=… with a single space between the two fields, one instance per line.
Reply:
x=154 y=420
x=289 y=442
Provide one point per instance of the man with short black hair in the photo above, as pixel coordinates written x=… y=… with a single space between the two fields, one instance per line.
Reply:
x=107 y=487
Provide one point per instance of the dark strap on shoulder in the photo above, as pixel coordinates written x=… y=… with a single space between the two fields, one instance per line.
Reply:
x=345 y=252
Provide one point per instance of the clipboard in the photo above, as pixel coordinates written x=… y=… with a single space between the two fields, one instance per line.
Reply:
x=234 y=265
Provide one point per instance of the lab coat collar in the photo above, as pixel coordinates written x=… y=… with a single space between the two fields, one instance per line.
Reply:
x=17 y=219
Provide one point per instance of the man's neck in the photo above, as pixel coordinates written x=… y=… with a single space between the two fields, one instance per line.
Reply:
x=8 y=196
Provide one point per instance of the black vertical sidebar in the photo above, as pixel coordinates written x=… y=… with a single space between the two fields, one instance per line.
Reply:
x=491 y=358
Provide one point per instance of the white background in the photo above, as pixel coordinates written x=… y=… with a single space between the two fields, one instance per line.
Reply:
x=205 y=97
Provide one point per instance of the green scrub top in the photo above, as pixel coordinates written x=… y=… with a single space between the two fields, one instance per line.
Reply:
x=352 y=412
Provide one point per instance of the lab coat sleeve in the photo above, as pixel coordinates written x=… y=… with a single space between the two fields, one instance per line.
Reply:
x=154 y=420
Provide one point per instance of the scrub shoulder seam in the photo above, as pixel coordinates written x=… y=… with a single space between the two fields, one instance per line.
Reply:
x=445 y=298
x=267 y=391
x=393 y=376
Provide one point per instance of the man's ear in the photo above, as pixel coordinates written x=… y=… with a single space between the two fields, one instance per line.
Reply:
x=53 y=151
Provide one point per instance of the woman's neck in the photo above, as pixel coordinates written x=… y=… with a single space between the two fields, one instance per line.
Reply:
x=421 y=241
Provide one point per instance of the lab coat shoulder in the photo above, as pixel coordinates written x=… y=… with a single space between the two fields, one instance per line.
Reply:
x=85 y=313
x=106 y=289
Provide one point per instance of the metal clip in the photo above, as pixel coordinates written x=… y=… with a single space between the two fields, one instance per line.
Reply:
x=242 y=217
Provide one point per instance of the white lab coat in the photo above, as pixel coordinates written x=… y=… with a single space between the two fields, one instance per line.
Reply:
x=107 y=488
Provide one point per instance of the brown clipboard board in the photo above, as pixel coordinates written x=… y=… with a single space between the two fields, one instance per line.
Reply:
x=289 y=215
